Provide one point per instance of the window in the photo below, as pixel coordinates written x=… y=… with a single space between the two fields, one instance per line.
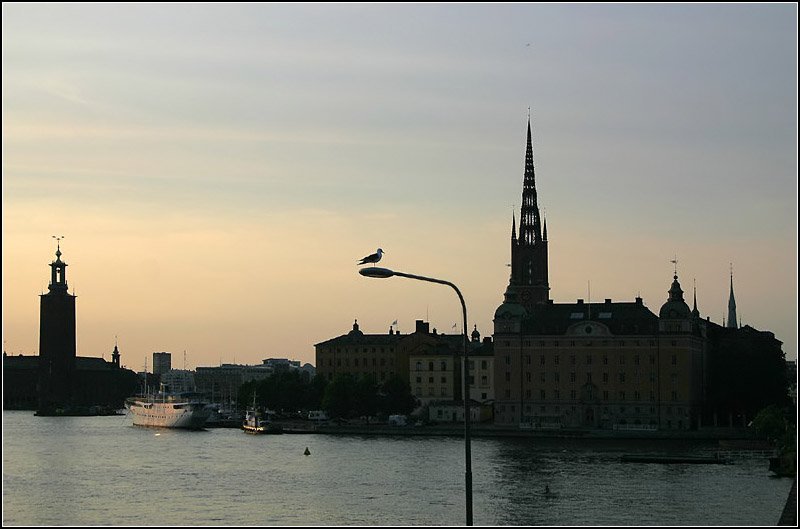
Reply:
x=605 y=359
x=588 y=377
x=483 y=364
x=605 y=378
x=541 y=360
x=484 y=380
x=622 y=376
x=556 y=394
x=527 y=377
x=430 y=366
x=508 y=360
x=572 y=394
x=527 y=393
x=443 y=365
x=419 y=366
x=555 y=359
x=419 y=380
x=589 y=359
x=430 y=380
x=636 y=360
x=556 y=376
x=508 y=376
x=621 y=395
x=605 y=395
x=572 y=377
x=622 y=359
x=443 y=380
x=541 y=394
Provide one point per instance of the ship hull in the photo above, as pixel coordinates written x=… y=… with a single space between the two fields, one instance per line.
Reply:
x=155 y=414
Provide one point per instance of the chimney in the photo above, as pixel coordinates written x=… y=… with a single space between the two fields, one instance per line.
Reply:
x=423 y=326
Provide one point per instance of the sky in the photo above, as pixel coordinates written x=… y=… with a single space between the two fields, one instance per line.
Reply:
x=217 y=170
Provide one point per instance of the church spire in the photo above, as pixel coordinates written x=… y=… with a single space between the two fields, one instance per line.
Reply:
x=695 y=312
x=732 y=306
x=530 y=229
x=529 y=276
x=513 y=228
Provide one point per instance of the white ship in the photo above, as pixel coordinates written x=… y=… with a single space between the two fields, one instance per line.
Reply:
x=168 y=410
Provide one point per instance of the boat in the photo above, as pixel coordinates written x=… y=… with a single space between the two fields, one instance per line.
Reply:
x=168 y=410
x=257 y=421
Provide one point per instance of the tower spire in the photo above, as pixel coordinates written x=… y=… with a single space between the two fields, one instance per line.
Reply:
x=732 y=306
x=530 y=230
x=529 y=275
x=513 y=227
x=695 y=312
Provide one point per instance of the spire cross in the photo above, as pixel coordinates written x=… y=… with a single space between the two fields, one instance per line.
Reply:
x=674 y=261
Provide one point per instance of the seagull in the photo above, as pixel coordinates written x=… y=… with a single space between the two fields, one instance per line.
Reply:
x=374 y=258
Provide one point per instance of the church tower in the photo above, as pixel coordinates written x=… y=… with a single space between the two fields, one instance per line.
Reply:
x=732 y=307
x=529 y=252
x=57 y=349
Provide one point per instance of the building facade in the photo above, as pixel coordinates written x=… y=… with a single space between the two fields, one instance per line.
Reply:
x=57 y=381
x=362 y=354
x=611 y=365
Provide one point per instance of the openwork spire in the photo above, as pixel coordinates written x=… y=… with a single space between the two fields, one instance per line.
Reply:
x=530 y=229
x=732 y=306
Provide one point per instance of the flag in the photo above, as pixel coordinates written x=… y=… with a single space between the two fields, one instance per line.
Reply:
x=394 y=322
x=454 y=325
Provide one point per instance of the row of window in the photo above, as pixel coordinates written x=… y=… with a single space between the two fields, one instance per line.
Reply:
x=621 y=376
x=572 y=343
x=589 y=359
x=444 y=367
x=360 y=349
x=606 y=410
x=589 y=395
x=375 y=362
x=443 y=380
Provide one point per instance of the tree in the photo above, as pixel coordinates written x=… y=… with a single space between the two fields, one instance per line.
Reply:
x=396 y=396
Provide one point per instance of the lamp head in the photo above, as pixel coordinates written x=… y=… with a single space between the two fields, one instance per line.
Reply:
x=375 y=271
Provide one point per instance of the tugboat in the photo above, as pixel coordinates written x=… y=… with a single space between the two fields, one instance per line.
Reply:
x=257 y=421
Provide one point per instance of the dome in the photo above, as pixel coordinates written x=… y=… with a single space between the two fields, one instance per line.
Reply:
x=675 y=307
x=510 y=308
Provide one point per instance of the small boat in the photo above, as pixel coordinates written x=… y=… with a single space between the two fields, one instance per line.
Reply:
x=168 y=410
x=257 y=421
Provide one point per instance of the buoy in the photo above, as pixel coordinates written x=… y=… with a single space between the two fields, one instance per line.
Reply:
x=307 y=452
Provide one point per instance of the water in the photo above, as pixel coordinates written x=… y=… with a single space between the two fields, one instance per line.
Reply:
x=104 y=471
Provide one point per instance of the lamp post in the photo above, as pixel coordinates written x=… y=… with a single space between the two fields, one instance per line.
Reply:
x=382 y=273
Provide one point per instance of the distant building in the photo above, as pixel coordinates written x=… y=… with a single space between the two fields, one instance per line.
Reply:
x=222 y=382
x=58 y=379
x=179 y=380
x=162 y=362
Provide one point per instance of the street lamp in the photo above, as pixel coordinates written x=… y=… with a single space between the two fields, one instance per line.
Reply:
x=382 y=273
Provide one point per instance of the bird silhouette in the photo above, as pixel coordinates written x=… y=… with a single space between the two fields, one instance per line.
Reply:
x=374 y=258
